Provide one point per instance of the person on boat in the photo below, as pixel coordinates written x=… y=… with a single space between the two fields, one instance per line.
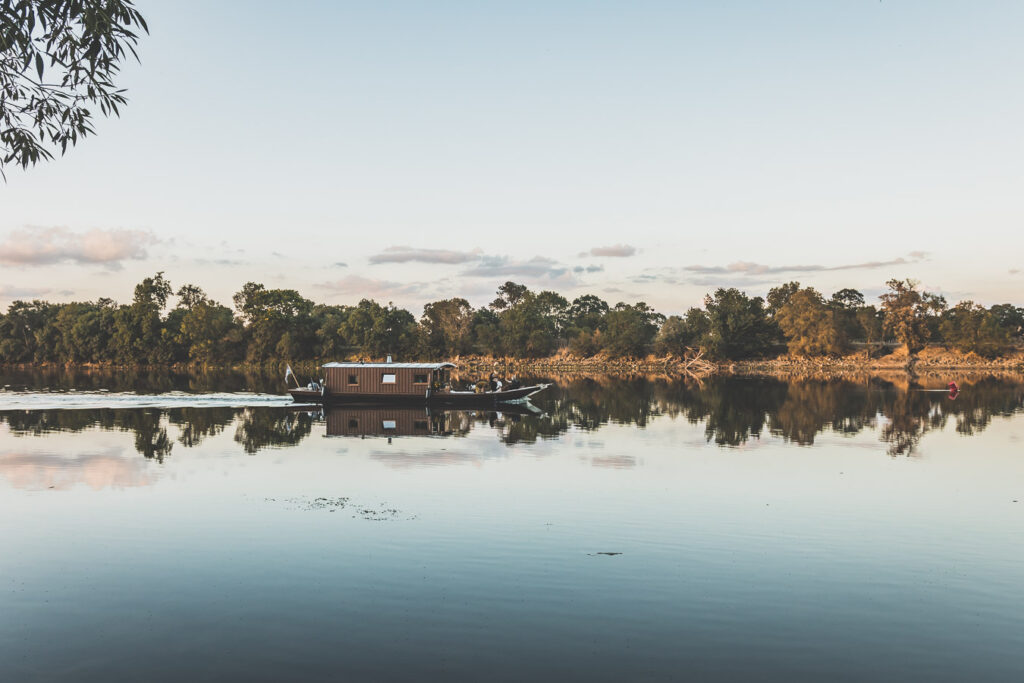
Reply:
x=497 y=385
x=514 y=383
x=954 y=390
x=493 y=384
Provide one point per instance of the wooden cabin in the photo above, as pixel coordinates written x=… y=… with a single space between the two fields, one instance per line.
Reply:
x=371 y=381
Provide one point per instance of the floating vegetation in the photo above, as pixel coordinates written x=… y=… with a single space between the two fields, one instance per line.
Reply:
x=380 y=513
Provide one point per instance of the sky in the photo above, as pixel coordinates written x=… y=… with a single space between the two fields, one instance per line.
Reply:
x=655 y=151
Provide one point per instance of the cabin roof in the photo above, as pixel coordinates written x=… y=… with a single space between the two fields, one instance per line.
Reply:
x=392 y=366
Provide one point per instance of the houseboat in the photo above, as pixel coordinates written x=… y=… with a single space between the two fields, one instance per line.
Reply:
x=391 y=382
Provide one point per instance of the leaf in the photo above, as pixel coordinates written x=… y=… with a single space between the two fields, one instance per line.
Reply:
x=39 y=65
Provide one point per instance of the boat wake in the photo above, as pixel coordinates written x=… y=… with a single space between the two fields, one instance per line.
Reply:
x=96 y=400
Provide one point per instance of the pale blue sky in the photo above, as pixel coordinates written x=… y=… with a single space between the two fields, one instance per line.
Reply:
x=732 y=143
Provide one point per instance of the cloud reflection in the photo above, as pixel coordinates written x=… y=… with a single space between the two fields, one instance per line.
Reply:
x=111 y=468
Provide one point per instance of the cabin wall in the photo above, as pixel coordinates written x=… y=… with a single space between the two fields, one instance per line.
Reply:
x=369 y=382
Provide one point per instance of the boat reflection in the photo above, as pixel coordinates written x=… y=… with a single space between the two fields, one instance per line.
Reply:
x=392 y=421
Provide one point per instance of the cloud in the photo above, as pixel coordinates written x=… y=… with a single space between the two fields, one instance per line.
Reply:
x=750 y=268
x=8 y=292
x=611 y=251
x=340 y=264
x=1014 y=271
x=539 y=267
x=221 y=262
x=408 y=254
x=588 y=269
x=365 y=287
x=45 y=246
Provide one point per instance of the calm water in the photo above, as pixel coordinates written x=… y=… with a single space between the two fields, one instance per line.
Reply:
x=171 y=528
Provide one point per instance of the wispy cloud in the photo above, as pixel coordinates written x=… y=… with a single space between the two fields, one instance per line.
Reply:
x=369 y=288
x=410 y=254
x=588 y=269
x=35 y=246
x=539 y=268
x=751 y=268
x=611 y=251
x=12 y=292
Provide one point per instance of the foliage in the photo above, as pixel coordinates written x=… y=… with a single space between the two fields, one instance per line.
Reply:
x=377 y=330
x=279 y=324
x=779 y=296
x=630 y=330
x=810 y=325
x=1009 y=318
x=909 y=313
x=447 y=325
x=679 y=334
x=58 y=62
x=528 y=323
x=738 y=326
x=870 y=324
x=969 y=327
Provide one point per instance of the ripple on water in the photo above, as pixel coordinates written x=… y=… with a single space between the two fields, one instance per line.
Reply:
x=84 y=400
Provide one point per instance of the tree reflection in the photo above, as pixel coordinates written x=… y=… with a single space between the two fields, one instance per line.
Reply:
x=264 y=427
x=195 y=424
x=731 y=410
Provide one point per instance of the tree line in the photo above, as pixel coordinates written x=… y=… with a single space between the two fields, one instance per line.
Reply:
x=273 y=324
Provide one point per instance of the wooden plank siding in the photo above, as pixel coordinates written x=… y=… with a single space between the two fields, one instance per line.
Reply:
x=369 y=381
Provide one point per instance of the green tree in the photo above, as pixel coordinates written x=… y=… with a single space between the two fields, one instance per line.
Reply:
x=380 y=330
x=909 y=313
x=528 y=323
x=328 y=321
x=738 y=326
x=630 y=330
x=779 y=296
x=1009 y=318
x=509 y=294
x=870 y=324
x=139 y=335
x=21 y=328
x=585 y=324
x=681 y=334
x=969 y=327
x=278 y=322
x=810 y=325
x=485 y=329
x=447 y=327
x=58 y=63
x=209 y=333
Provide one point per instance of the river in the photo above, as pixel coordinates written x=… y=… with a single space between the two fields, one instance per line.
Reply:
x=168 y=527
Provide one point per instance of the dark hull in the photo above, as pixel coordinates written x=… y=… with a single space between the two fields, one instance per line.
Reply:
x=458 y=398
x=306 y=395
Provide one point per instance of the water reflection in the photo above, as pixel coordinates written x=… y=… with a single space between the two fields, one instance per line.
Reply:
x=108 y=468
x=732 y=411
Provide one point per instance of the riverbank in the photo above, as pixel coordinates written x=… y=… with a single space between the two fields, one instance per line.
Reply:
x=932 y=359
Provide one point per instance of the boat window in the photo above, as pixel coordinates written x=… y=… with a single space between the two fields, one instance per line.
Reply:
x=353 y=423
x=387 y=378
x=420 y=425
x=390 y=424
x=419 y=379
x=353 y=379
